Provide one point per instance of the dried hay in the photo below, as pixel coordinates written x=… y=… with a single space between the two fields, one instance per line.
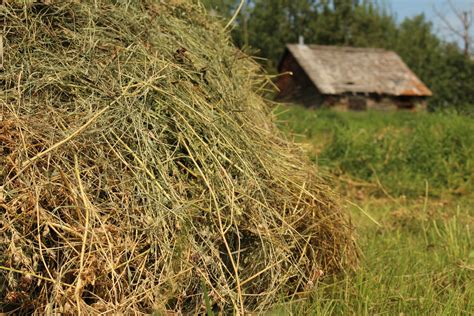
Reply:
x=140 y=170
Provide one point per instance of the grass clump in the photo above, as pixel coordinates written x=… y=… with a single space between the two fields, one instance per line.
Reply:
x=139 y=165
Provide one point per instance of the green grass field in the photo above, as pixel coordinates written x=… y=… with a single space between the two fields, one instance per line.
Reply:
x=407 y=180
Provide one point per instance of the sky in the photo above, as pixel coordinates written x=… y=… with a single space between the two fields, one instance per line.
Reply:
x=408 y=8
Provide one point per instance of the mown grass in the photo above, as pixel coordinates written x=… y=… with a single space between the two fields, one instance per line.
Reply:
x=407 y=181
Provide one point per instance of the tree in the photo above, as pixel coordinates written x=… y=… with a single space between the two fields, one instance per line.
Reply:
x=466 y=19
x=273 y=23
x=354 y=23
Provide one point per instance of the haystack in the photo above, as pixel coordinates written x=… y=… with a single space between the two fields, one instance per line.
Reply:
x=140 y=170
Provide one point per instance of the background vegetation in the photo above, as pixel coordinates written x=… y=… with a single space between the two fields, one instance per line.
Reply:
x=406 y=152
x=407 y=180
x=263 y=27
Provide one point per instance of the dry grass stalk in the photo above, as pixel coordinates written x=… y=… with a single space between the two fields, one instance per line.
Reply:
x=139 y=165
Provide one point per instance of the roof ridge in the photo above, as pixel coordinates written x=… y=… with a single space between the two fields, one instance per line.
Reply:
x=342 y=48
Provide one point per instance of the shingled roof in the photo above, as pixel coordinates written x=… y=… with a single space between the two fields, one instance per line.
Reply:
x=335 y=70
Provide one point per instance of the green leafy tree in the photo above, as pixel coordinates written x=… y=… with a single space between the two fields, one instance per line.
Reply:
x=272 y=24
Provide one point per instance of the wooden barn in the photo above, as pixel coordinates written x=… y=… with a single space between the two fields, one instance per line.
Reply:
x=348 y=78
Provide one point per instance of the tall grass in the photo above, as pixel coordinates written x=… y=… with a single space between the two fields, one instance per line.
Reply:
x=402 y=151
x=419 y=261
x=412 y=205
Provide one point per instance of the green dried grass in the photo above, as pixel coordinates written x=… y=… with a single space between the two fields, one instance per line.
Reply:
x=138 y=163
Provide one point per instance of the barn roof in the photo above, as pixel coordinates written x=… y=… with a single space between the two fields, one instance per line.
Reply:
x=336 y=70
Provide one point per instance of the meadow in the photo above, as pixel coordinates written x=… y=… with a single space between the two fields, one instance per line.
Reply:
x=406 y=179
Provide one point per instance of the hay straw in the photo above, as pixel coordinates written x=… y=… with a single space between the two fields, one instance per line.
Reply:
x=1 y=51
x=139 y=166
x=234 y=16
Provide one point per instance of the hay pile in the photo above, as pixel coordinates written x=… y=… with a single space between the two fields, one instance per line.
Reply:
x=140 y=170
